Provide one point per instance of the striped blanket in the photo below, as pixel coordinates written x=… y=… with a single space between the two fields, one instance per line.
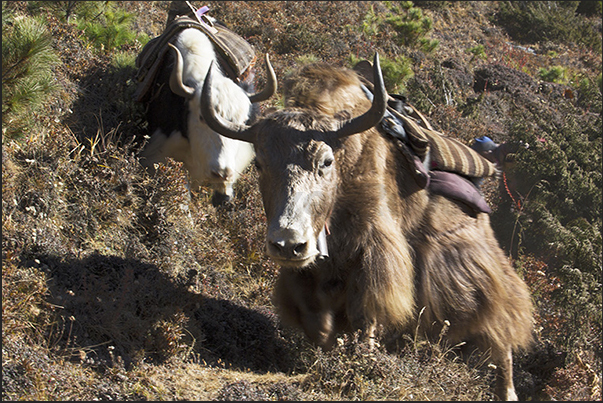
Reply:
x=445 y=153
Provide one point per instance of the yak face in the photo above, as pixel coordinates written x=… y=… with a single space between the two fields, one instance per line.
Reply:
x=298 y=182
x=216 y=160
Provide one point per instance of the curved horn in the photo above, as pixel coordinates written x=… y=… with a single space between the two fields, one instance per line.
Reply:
x=216 y=122
x=271 y=84
x=374 y=115
x=176 y=84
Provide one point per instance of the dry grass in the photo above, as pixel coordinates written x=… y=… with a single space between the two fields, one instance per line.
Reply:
x=116 y=285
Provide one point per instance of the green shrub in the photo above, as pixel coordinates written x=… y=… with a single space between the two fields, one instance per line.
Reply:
x=110 y=30
x=27 y=78
x=396 y=72
x=561 y=179
x=543 y=21
x=105 y=26
x=66 y=10
x=411 y=26
x=478 y=52
x=371 y=23
x=555 y=74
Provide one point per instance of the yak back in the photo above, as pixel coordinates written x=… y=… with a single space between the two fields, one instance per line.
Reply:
x=236 y=56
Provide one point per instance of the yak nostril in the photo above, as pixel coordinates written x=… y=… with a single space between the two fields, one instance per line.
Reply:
x=288 y=250
x=278 y=245
x=299 y=249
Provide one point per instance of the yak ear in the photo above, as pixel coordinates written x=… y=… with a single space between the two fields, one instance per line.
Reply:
x=215 y=121
x=176 y=84
x=375 y=114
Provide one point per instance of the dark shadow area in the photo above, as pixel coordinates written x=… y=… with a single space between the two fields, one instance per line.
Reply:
x=116 y=311
x=106 y=103
x=533 y=370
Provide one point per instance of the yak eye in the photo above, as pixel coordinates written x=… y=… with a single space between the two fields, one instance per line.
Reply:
x=323 y=160
x=324 y=164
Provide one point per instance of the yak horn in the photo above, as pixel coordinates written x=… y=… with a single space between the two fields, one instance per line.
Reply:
x=375 y=114
x=271 y=84
x=176 y=84
x=216 y=122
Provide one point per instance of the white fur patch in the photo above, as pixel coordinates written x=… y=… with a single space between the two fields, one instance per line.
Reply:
x=209 y=157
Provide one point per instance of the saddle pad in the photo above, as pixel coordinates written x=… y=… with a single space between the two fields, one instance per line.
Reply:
x=446 y=153
x=457 y=188
x=236 y=55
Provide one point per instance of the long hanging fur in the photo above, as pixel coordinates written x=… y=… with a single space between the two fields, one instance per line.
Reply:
x=395 y=248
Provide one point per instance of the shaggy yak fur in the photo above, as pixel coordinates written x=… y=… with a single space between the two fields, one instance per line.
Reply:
x=398 y=256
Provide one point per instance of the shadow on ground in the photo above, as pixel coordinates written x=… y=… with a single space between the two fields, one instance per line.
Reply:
x=118 y=311
x=107 y=104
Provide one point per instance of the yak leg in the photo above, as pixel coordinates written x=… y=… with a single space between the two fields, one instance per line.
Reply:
x=365 y=322
x=369 y=333
x=302 y=304
x=505 y=390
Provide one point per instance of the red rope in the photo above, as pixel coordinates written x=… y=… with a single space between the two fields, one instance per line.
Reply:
x=517 y=203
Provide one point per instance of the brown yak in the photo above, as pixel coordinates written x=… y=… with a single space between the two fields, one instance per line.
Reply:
x=395 y=248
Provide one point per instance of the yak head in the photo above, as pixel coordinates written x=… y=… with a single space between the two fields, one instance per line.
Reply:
x=298 y=149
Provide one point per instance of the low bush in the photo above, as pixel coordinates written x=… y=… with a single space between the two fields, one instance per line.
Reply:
x=28 y=59
x=549 y=21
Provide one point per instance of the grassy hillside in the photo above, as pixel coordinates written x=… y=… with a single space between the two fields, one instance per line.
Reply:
x=117 y=285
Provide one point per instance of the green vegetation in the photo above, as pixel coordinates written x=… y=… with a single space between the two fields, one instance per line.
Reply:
x=28 y=60
x=554 y=21
x=560 y=219
x=112 y=31
x=67 y=11
x=410 y=31
x=554 y=74
x=410 y=25
x=106 y=26
x=478 y=52
x=396 y=72
x=371 y=23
